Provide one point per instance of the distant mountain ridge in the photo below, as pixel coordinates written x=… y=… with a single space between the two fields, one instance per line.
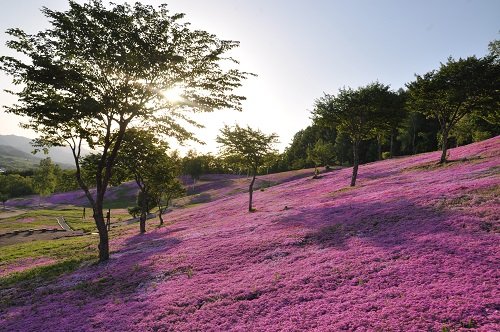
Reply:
x=14 y=146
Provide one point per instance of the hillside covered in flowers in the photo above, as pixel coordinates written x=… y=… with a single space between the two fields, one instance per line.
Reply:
x=413 y=247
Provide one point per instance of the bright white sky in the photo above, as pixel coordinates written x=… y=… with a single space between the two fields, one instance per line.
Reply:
x=300 y=49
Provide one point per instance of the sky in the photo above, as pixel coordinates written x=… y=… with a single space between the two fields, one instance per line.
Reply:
x=301 y=49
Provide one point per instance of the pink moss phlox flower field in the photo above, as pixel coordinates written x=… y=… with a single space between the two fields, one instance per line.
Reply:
x=413 y=247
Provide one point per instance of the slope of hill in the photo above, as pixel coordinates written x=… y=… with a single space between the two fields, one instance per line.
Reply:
x=60 y=155
x=414 y=247
x=209 y=188
x=14 y=159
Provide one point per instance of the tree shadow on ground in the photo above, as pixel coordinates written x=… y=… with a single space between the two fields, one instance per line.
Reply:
x=386 y=224
x=120 y=277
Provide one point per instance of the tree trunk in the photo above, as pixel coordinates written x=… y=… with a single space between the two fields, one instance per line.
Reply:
x=250 y=191
x=103 y=233
x=379 y=147
x=392 y=145
x=355 y=163
x=413 y=138
x=144 y=211
x=160 y=215
x=444 y=147
x=142 y=223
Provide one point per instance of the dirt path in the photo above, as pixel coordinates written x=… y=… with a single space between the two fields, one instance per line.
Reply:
x=7 y=213
x=35 y=235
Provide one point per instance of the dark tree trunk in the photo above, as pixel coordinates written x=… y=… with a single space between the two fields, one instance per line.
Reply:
x=144 y=211
x=103 y=233
x=142 y=219
x=444 y=147
x=392 y=145
x=102 y=180
x=160 y=215
x=142 y=223
x=379 y=147
x=355 y=163
x=413 y=138
x=250 y=191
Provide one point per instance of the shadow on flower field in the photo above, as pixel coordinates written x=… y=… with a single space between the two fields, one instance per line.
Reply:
x=408 y=249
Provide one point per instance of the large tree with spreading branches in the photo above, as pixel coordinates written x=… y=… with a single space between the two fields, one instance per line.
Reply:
x=100 y=69
x=458 y=88
x=358 y=113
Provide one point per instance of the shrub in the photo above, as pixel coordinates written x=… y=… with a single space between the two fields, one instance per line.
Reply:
x=386 y=155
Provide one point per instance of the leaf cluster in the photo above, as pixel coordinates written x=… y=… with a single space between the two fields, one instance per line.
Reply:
x=457 y=88
x=356 y=112
x=246 y=147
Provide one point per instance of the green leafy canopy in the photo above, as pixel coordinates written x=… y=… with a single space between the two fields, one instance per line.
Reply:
x=246 y=146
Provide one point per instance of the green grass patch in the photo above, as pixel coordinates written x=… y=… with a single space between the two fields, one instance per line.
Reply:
x=68 y=255
x=58 y=249
x=46 y=218
x=122 y=199
x=37 y=276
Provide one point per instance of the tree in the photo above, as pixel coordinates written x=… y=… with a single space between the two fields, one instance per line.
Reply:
x=165 y=190
x=193 y=166
x=164 y=184
x=44 y=179
x=357 y=113
x=99 y=70
x=321 y=154
x=295 y=155
x=246 y=147
x=145 y=159
x=4 y=189
x=391 y=115
x=14 y=185
x=458 y=88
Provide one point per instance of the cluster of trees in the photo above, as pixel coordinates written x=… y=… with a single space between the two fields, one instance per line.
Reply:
x=101 y=70
x=44 y=180
x=14 y=185
x=455 y=104
x=100 y=76
x=146 y=159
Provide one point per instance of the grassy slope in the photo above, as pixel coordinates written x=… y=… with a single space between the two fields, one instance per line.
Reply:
x=211 y=187
x=413 y=247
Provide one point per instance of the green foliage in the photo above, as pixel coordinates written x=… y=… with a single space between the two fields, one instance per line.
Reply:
x=360 y=114
x=295 y=155
x=145 y=158
x=357 y=113
x=321 y=154
x=15 y=185
x=99 y=70
x=192 y=165
x=145 y=202
x=44 y=179
x=66 y=180
x=134 y=211
x=246 y=147
x=460 y=87
x=386 y=155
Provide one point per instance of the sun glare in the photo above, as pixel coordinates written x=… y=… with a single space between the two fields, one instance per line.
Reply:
x=174 y=94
